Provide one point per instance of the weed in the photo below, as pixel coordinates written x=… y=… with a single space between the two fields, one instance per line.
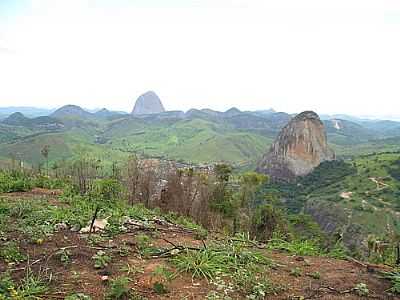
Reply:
x=296 y=272
x=244 y=266
x=163 y=274
x=119 y=288
x=78 y=296
x=31 y=286
x=338 y=251
x=101 y=259
x=96 y=239
x=160 y=288
x=203 y=263
x=142 y=241
x=10 y=252
x=315 y=275
x=6 y=284
x=131 y=270
x=143 y=244
x=361 y=290
x=123 y=250
x=297 y=247
x=65 y=256
x=394 y=278
x=260 y=290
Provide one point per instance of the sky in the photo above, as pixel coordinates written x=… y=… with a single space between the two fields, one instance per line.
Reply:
x=340 y=56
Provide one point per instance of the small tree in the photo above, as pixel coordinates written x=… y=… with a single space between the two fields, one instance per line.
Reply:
x=106 y=189
x=222 y=195
x=244 y=199
x=45 y=153
x=132 y=177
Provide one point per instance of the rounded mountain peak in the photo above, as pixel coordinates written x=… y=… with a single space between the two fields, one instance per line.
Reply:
x=299 y=148
x=148 y=103
x=306 y=115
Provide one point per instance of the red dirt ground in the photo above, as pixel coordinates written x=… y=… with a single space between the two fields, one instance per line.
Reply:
x=337 y=276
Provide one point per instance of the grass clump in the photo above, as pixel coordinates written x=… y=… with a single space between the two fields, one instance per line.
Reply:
x=31 y=287
x=243 y=267
x=119 y=289
x=297 y=247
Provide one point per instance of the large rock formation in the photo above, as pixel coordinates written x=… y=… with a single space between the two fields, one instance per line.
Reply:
x=299 y=148
x=148 y=103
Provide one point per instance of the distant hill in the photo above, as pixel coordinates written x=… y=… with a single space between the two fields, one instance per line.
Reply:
x=68 y=111
x=148 y=103
x=234 y=136
x=44 y=122
x=27 y=111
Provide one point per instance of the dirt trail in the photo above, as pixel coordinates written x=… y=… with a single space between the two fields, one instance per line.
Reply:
x=380 y=185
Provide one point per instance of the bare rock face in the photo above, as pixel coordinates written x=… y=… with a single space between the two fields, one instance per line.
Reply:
x=148 y=103
x=299 y=148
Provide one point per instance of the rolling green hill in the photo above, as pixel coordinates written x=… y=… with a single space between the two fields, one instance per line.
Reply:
x=199 y=136
x=353 y=198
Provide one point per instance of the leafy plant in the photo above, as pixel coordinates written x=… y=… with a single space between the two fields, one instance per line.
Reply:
x=101 y=259
x=65 y=256
x=160 y=288
x=361 y=289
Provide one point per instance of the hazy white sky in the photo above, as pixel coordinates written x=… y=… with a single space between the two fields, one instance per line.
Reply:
x=340 y=56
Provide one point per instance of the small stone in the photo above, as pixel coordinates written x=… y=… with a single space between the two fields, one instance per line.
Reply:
x=75 y=228
x=104 y=278
x=175 y=252
x=60 y=226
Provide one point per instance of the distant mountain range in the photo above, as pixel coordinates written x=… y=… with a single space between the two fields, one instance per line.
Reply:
x=198 y=135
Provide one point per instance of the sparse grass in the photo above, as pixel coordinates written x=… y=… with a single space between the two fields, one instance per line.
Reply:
x=233 y=259
x=31 y=287
x=297 y=247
